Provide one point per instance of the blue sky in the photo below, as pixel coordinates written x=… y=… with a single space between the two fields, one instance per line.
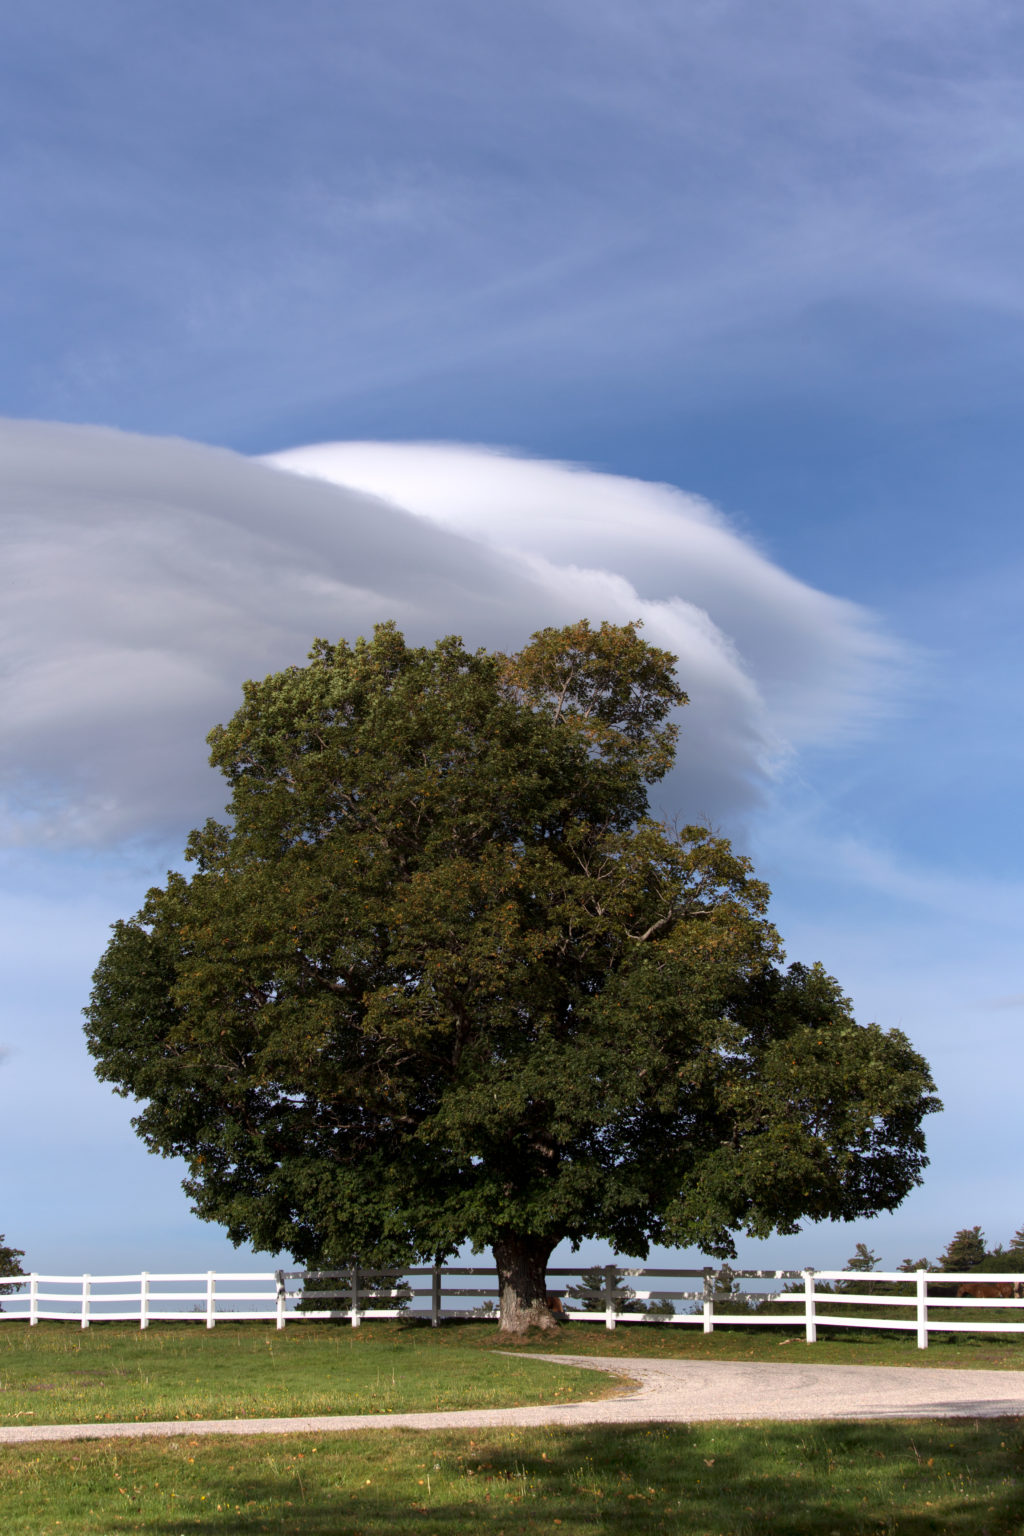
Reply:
x=770 y=256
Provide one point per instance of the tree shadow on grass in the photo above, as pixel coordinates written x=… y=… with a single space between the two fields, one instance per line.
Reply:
x=932 y=1478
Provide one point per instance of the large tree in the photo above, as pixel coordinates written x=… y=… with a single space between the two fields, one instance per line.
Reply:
x=441 y=977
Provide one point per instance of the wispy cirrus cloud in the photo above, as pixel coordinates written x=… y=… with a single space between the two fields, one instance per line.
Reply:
x=570 y=184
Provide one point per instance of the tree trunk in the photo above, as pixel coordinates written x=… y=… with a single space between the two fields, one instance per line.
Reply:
x=522 y=1283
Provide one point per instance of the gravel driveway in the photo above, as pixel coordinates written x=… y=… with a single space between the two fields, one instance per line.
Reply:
x=666 y=1391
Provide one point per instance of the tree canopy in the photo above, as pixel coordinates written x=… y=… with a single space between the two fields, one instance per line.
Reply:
x=965 y=1249
x=440 y=976
x=10 y=1265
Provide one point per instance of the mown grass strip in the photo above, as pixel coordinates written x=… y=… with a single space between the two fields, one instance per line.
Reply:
x=908 y=1479
x=59 y=1374
x=54 y=1374
x=835 y=1346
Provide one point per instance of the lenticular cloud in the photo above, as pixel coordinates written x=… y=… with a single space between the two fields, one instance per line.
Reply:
x=148 y=577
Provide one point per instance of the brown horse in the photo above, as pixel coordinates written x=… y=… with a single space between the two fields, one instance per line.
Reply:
x=978 y=1288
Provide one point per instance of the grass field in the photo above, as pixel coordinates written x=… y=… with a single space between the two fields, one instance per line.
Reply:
x=965 y=1478
x=836 y=1346
x=58 y=1374
x=925 y=1479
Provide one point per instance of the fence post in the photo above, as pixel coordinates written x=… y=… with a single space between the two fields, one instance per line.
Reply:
x=435 y=1296
x=144 y=1299
x=609 y=1295
x=709 y=1301
x=211 y=1291
x=354 y=1282
x=281 y=1298
x=810 y=1313
x=922 y=1309
x=33 y=1300
x=86 y=1293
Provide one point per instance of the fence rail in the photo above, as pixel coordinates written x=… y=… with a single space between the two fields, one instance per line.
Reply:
x=289 y=1296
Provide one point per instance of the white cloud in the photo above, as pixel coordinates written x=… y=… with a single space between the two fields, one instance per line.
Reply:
x=808 y=659
x=148 y=577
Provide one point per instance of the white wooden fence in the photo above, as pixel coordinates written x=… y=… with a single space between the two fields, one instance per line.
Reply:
x=285 y=1296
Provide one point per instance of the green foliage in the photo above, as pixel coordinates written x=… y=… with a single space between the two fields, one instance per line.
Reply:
x=327 y=1289
x=1001 y=1261
x=624 y=1298
x=589 y=1294
x=863 y=1259
x=10 y=1264
x=440 y=977
x=729 y=1296
x=965 y=1250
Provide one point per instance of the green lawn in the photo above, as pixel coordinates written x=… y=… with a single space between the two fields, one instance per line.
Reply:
x=836 y=1346
x=965 y=1478
x=59 y=1374
x=941 y=1478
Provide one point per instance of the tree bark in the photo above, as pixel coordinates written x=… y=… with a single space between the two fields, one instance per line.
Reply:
x=522 y=1282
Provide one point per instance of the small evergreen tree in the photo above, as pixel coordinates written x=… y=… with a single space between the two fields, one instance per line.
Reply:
x=862 y=1261
x=375 y=1291
x=624 y=1298
x=965 y=1251
x=593 y=1280
x=727 y=1288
